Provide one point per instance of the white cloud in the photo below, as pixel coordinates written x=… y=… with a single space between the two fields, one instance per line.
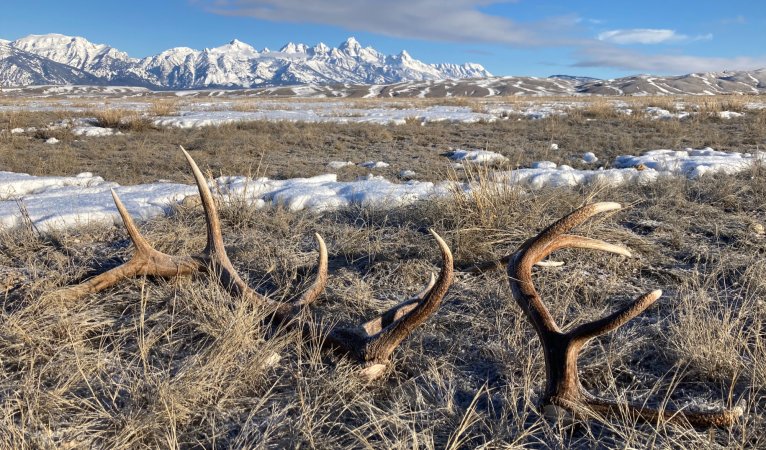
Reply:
x=607 y=56
x=647 y=36
x=437 y=20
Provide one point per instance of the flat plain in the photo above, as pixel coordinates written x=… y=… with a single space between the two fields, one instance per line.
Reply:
x=182 y=363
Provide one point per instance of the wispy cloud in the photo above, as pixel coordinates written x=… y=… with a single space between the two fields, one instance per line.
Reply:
x=609 y=56
x=648 y=36
x=737 y=20
x=436 y=20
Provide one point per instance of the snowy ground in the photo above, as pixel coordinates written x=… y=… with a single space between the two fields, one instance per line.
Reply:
x=190 y=113
x=62 y=202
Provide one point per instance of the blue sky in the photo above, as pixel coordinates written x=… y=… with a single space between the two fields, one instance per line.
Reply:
x=524 y=37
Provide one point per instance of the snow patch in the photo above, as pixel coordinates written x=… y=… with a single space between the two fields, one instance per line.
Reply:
x=729 y=114
x=544 y=165
x=339 y=164
x=476 y=156
x=589 y=158
x=374 y=165
x=92 y=131
x=690 y=162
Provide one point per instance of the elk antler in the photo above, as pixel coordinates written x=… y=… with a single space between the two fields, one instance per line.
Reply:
x=563 y=388
x=371 y=343
x=148 y=261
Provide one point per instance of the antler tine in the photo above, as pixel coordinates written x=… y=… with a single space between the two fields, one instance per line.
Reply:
x=214 y=235
x=220 y=264
x=381 y=345
x=139 y=242
x=317 y=287
x=615 y=320
x=215 y=252
x=146 y=261
x=373 y=326
x=563 y=225
x=722 y=418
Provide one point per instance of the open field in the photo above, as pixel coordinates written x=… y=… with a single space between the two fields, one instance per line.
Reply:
x=285 y=149
x=181 y=363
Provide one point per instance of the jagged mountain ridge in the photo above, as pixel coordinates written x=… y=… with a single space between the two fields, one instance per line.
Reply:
x=234 y=65
x=20 y=68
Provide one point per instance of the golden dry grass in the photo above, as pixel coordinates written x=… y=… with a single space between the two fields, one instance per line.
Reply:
x=182 y=364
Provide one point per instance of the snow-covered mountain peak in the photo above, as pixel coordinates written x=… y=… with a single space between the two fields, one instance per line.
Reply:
x=237 y=48
x=177 y=51
x=71 y=50
x=74 y=51
x=292 y=48
x=321 y=49
x=351 y=46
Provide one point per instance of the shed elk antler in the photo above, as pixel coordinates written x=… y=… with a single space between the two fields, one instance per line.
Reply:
x=561 y=349
x=370 y=344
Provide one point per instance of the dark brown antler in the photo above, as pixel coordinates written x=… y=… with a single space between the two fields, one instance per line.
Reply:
x=371 y=343
x=563 y=388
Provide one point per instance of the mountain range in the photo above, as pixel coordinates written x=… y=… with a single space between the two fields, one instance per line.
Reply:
x=58 y=59
x=348 y=70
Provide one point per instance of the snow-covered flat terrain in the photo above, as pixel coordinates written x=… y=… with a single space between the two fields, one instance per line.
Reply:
x=63 y=202
x=195 y=113
x=327 y=112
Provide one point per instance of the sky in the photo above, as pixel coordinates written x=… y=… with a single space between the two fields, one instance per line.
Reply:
x=599 y=38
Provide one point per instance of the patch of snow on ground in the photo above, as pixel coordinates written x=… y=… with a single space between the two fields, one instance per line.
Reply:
x=475 y=156
x=374 y=165
x=52 y=140
x=326 y=113
x=13 y=185
x=589 y=158
x=92 y=131
x=729 y=114
x=339 y=164
x=692 y=163
x=565 y=176
x=656 y=112
x=543 y=165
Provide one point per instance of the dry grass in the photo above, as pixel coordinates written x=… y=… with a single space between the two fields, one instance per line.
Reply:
x=300 y=149
x=181 y=364
x=163 y=107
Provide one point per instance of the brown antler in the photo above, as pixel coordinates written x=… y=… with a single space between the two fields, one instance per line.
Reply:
x=563 y=388
x=371 y=343
x=146 y=261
